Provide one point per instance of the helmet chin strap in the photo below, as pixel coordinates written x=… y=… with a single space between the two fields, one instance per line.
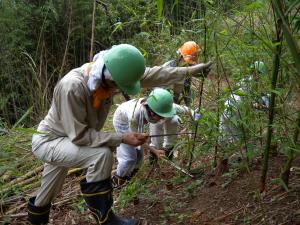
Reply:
x=105 y=75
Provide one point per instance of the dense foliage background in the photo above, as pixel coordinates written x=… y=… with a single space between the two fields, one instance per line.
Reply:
x=42 y=40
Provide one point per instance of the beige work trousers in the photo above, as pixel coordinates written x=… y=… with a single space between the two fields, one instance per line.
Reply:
x=61 y=154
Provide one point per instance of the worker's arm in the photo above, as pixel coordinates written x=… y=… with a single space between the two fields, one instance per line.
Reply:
x=158 y=152
x=158 y=76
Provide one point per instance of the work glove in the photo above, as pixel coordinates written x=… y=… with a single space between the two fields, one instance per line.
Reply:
x=198 y=70
x=196 y=115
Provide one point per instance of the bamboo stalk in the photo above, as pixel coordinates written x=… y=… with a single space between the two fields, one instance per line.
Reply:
x=196 y=127
x=285 y=175
x=11 y=200
x=23 y=182
x=218 y=97
x=276 y=64
x=11 y=212
x=19 y=215
x=201 y=89
x=93 y=31
x=25 y=176
x=239 y=115
x=278 y=7
x=75 y=170
x=295 y=51
x=16 y=209
x=32 y=186
x=67 y=41
x=6 y=176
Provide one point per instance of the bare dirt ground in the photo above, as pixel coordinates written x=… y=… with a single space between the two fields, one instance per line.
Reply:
x=167 y=196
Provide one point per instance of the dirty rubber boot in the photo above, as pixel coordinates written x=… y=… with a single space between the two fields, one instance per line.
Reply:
x=98 y=198
x=118 y=182
x=38 y=215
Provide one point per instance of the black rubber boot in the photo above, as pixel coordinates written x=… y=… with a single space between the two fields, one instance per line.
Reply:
x=98 y=197
x=169 y=152
x=38 y=215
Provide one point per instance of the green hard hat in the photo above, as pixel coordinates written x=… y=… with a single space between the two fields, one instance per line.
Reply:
x=160 y=101
x=126 y=65
x=259 y=66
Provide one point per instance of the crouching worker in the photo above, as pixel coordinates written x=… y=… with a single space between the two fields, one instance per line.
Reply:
x=131 y=116
x=234 y=121
x=169 y=126
x=70 y=134
x=230 y=120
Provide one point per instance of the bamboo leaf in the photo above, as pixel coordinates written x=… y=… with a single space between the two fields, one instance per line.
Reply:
x=29 y=131
x=254 y=6
x=291 y=7
x=159 y=7
x=23 y=117
x=281 y=183
x=276 y=92
x=292 y=44
x=174 y=5
x=240 y=93
x=118 y=27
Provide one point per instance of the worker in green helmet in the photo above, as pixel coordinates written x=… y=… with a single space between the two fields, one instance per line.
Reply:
x=244 y=96
x=131 y=116
x=71 y=133
x=249 y=85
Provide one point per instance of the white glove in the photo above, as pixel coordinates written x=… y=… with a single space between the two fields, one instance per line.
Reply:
x=197 y=116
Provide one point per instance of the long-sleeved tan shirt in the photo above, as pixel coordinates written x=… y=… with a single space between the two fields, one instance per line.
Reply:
x=72 y=114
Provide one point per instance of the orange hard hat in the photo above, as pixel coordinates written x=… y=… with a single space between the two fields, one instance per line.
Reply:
x=189 y=51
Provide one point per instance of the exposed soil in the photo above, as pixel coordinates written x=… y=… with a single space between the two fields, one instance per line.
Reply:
x=170 y=197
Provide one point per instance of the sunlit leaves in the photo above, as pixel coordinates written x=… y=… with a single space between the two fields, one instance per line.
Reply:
x=159 y=7
x=256 y=5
